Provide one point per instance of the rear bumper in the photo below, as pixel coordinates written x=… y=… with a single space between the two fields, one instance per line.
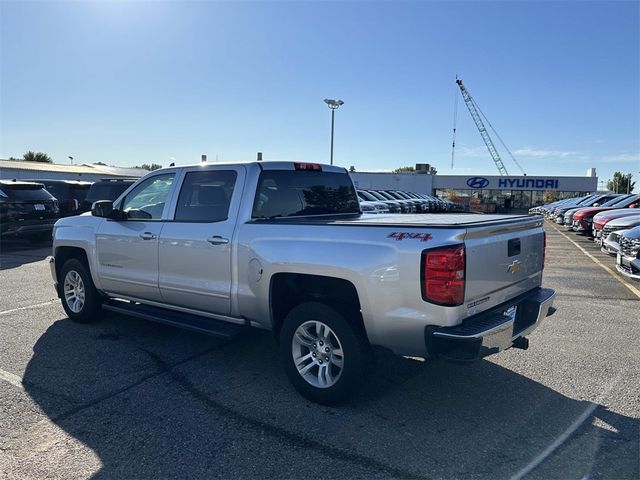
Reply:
x=491 y=331
x=26 y=228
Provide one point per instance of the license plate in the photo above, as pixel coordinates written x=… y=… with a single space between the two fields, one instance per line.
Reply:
x=39 y=206
x=510 y=313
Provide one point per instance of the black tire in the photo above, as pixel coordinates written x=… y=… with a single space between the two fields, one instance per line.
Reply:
x=92 y=307
x=354 y=346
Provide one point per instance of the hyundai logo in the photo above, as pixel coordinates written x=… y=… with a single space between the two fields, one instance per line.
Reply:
x=478 y=182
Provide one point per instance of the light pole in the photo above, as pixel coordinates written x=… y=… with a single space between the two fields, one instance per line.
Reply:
x=333 y=105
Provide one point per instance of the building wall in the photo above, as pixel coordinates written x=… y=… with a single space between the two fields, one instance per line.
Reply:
x=496 y=182
x=411 y=182
x=10 y=174
x=421 y=183
x=493 y=193
x=20 y=170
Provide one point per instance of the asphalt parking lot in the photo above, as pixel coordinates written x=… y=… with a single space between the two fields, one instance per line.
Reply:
x=129 y=399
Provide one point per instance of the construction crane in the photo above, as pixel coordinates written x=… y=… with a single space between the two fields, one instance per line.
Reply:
x=477 y=116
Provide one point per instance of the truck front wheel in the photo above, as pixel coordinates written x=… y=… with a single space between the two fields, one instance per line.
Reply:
x=323 y=354
x=80 y=299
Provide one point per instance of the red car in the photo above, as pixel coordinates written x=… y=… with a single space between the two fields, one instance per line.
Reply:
x=601 y=219
x=583 y=219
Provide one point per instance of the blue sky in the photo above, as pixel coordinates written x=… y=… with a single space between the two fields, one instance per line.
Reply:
x=133 y=82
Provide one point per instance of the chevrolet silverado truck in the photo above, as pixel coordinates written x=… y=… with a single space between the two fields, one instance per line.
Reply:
x=283 y=246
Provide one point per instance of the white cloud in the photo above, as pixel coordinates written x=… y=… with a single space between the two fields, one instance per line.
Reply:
x=472 y=152
x=626 y=157
x=542 y=153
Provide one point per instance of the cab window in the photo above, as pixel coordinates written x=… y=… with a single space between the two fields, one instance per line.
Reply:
x=147 y=200
x=205 y=196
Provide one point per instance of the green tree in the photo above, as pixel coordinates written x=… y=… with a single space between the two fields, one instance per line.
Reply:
x=31 y=156
x=407 y=169
x=549 y=196
x=152 y=167
x=100 y=163
x=452 y=195
x=621 y=183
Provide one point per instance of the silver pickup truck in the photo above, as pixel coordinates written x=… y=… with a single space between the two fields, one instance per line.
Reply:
x=284 y=246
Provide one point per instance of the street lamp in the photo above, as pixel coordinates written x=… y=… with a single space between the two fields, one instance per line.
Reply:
x=333 y=105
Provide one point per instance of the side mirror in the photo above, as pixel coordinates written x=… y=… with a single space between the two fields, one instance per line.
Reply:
x=102 y=208
x=596 y=204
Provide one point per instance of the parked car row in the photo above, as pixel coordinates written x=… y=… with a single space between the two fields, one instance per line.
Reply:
x=611 y=220
x=29 y=208
x=398 y=201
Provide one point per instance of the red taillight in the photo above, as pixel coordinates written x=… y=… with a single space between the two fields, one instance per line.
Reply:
x=308 y=166
x=72 y=204
x=544 y=248
x=443 y=275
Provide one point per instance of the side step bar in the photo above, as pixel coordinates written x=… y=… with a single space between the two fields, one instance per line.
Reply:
x=197 y=323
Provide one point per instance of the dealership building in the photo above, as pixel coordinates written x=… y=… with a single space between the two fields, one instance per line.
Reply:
x=13 y=169
x=486 y=193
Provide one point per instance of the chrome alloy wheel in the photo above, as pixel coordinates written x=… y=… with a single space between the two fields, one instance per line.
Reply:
x=317 y=354
x=74 y=291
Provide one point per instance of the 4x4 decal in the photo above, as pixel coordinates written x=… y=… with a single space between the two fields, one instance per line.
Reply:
x=423 y=237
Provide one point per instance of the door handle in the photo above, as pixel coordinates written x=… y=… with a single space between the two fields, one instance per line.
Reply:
x=147 y=236
x=217 y=240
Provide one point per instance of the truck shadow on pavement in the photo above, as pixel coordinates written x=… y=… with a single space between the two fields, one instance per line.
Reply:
x=151 y=401
x=17 y=252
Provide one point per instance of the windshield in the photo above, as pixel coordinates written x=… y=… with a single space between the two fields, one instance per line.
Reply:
x=626 y=201
x=367 y=196
x=614 y=201
x=377 y=196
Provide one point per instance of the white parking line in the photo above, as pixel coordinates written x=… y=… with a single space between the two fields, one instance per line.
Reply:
x=562 y=438
x=28 y=307
x=631 y=288
x=14 y=380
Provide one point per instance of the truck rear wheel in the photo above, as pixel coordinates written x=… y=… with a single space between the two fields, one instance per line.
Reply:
x=80 y=299
x=323 y=354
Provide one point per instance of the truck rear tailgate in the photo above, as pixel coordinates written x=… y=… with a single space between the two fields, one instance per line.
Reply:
x=502 y=261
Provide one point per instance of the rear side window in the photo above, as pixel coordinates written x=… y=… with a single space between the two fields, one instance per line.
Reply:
x=285 y=193
x=26 y=193
x=60 y=191
x=205 y=196
x=79 y=193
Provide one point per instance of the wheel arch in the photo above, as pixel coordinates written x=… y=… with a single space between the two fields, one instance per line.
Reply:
x=64 y=253
x=287 y=290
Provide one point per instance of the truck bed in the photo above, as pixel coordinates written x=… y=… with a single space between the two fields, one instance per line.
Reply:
x=440 y=220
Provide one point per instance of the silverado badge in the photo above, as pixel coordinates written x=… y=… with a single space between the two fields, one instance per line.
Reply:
x=514 y=266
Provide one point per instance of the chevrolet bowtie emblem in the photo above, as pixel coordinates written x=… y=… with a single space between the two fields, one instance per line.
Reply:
x=514 y=266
